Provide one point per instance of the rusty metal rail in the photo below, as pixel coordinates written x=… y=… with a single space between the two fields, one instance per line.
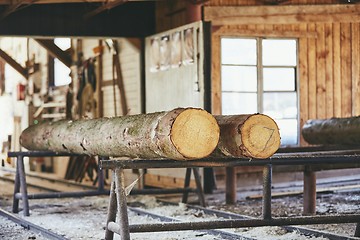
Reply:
x=31 y=226
x=224 y=235
x=228 y=215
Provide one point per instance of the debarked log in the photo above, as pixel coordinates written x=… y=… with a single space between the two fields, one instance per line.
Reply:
x=248 y=135
x=183 y=133
x=339 y=131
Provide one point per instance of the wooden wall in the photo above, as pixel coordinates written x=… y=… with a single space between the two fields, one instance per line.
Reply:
x=267 y=2
x=329 y=46
x=329 y=52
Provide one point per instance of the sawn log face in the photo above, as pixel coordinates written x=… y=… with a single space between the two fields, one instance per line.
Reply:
x=248 y=136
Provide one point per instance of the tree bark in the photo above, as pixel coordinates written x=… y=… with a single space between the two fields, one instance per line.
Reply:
x=183 y=133
x=340 y=131
x=249 y=136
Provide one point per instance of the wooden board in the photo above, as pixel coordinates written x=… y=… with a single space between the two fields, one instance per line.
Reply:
x=294 y=193
x=355 y=67
x=345 y=51
x=329 y=70
x=303 y=79
x=337 y=69
x=320 y=73
x=224 y=15
x=162 y=181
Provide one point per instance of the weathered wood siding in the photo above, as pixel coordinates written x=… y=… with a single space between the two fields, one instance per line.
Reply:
x=329 y=59
x=130 y=61
x=256 y=2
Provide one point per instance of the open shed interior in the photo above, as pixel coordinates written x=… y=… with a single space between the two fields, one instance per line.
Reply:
x=296 y=62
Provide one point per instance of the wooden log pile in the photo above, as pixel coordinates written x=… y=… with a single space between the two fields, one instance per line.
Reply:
x=339 y=131
x=181 y=134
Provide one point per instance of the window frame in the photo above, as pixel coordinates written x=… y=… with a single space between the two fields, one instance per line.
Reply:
x=260 y=76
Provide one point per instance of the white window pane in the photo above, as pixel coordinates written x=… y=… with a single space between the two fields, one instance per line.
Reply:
x=239 y=78
x=280 y=105
x=239 y=103
x=279 y=79
x=63 y=43
x=238 y=51
x=279 y=52
x=288 y=131
x=61 y=73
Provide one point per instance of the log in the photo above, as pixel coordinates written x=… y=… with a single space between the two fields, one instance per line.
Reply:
x=247 y=136
x=181 y=134
x=340 y=131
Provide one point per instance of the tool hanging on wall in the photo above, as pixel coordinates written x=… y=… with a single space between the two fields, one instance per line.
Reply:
x=118 y=80
x=87 y=105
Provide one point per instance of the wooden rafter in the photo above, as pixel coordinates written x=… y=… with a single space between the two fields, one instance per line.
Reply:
x=107 y=6
x=284 y=14
x=14 y=64
x=15 y=6
x=9 y=2
x=55 y=51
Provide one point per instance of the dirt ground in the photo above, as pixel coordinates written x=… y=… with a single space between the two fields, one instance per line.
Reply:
x=84 y=218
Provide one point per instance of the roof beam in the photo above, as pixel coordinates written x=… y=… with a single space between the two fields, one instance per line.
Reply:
x=14 y=6
x=109 y=5
x=284 y=14
x=67 y=20
x=55 y=51
x=9 y=60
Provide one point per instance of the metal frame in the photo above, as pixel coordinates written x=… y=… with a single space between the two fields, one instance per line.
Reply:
x=20 y=186
x=21 y=193
x=312 y=161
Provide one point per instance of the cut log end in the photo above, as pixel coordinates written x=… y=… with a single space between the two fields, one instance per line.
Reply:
x=195 y=133
x=260 y=136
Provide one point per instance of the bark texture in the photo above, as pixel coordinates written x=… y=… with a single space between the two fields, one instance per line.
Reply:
x=249 y=136
x=340 y=131
x=183 y=133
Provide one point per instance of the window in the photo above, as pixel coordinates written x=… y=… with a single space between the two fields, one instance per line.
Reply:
x=61 y=71
x=259 y=75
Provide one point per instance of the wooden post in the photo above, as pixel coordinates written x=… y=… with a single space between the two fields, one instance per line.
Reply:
x=231 y=185
x=309 y=191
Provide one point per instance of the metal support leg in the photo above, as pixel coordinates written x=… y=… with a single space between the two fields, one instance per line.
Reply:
x=357 y=230
x=111 y=215
x=23 y=186
x=309 y=191
x=122 y=204
x=186 y=185
x=199 y=188
x=230 y=185
x=15 y=208
x=267 y=180
x=101 y=180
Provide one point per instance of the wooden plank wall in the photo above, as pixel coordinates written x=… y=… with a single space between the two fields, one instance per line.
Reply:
x=329 y=60
x=266 y=2
x=329 y=55
x=170 y=14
